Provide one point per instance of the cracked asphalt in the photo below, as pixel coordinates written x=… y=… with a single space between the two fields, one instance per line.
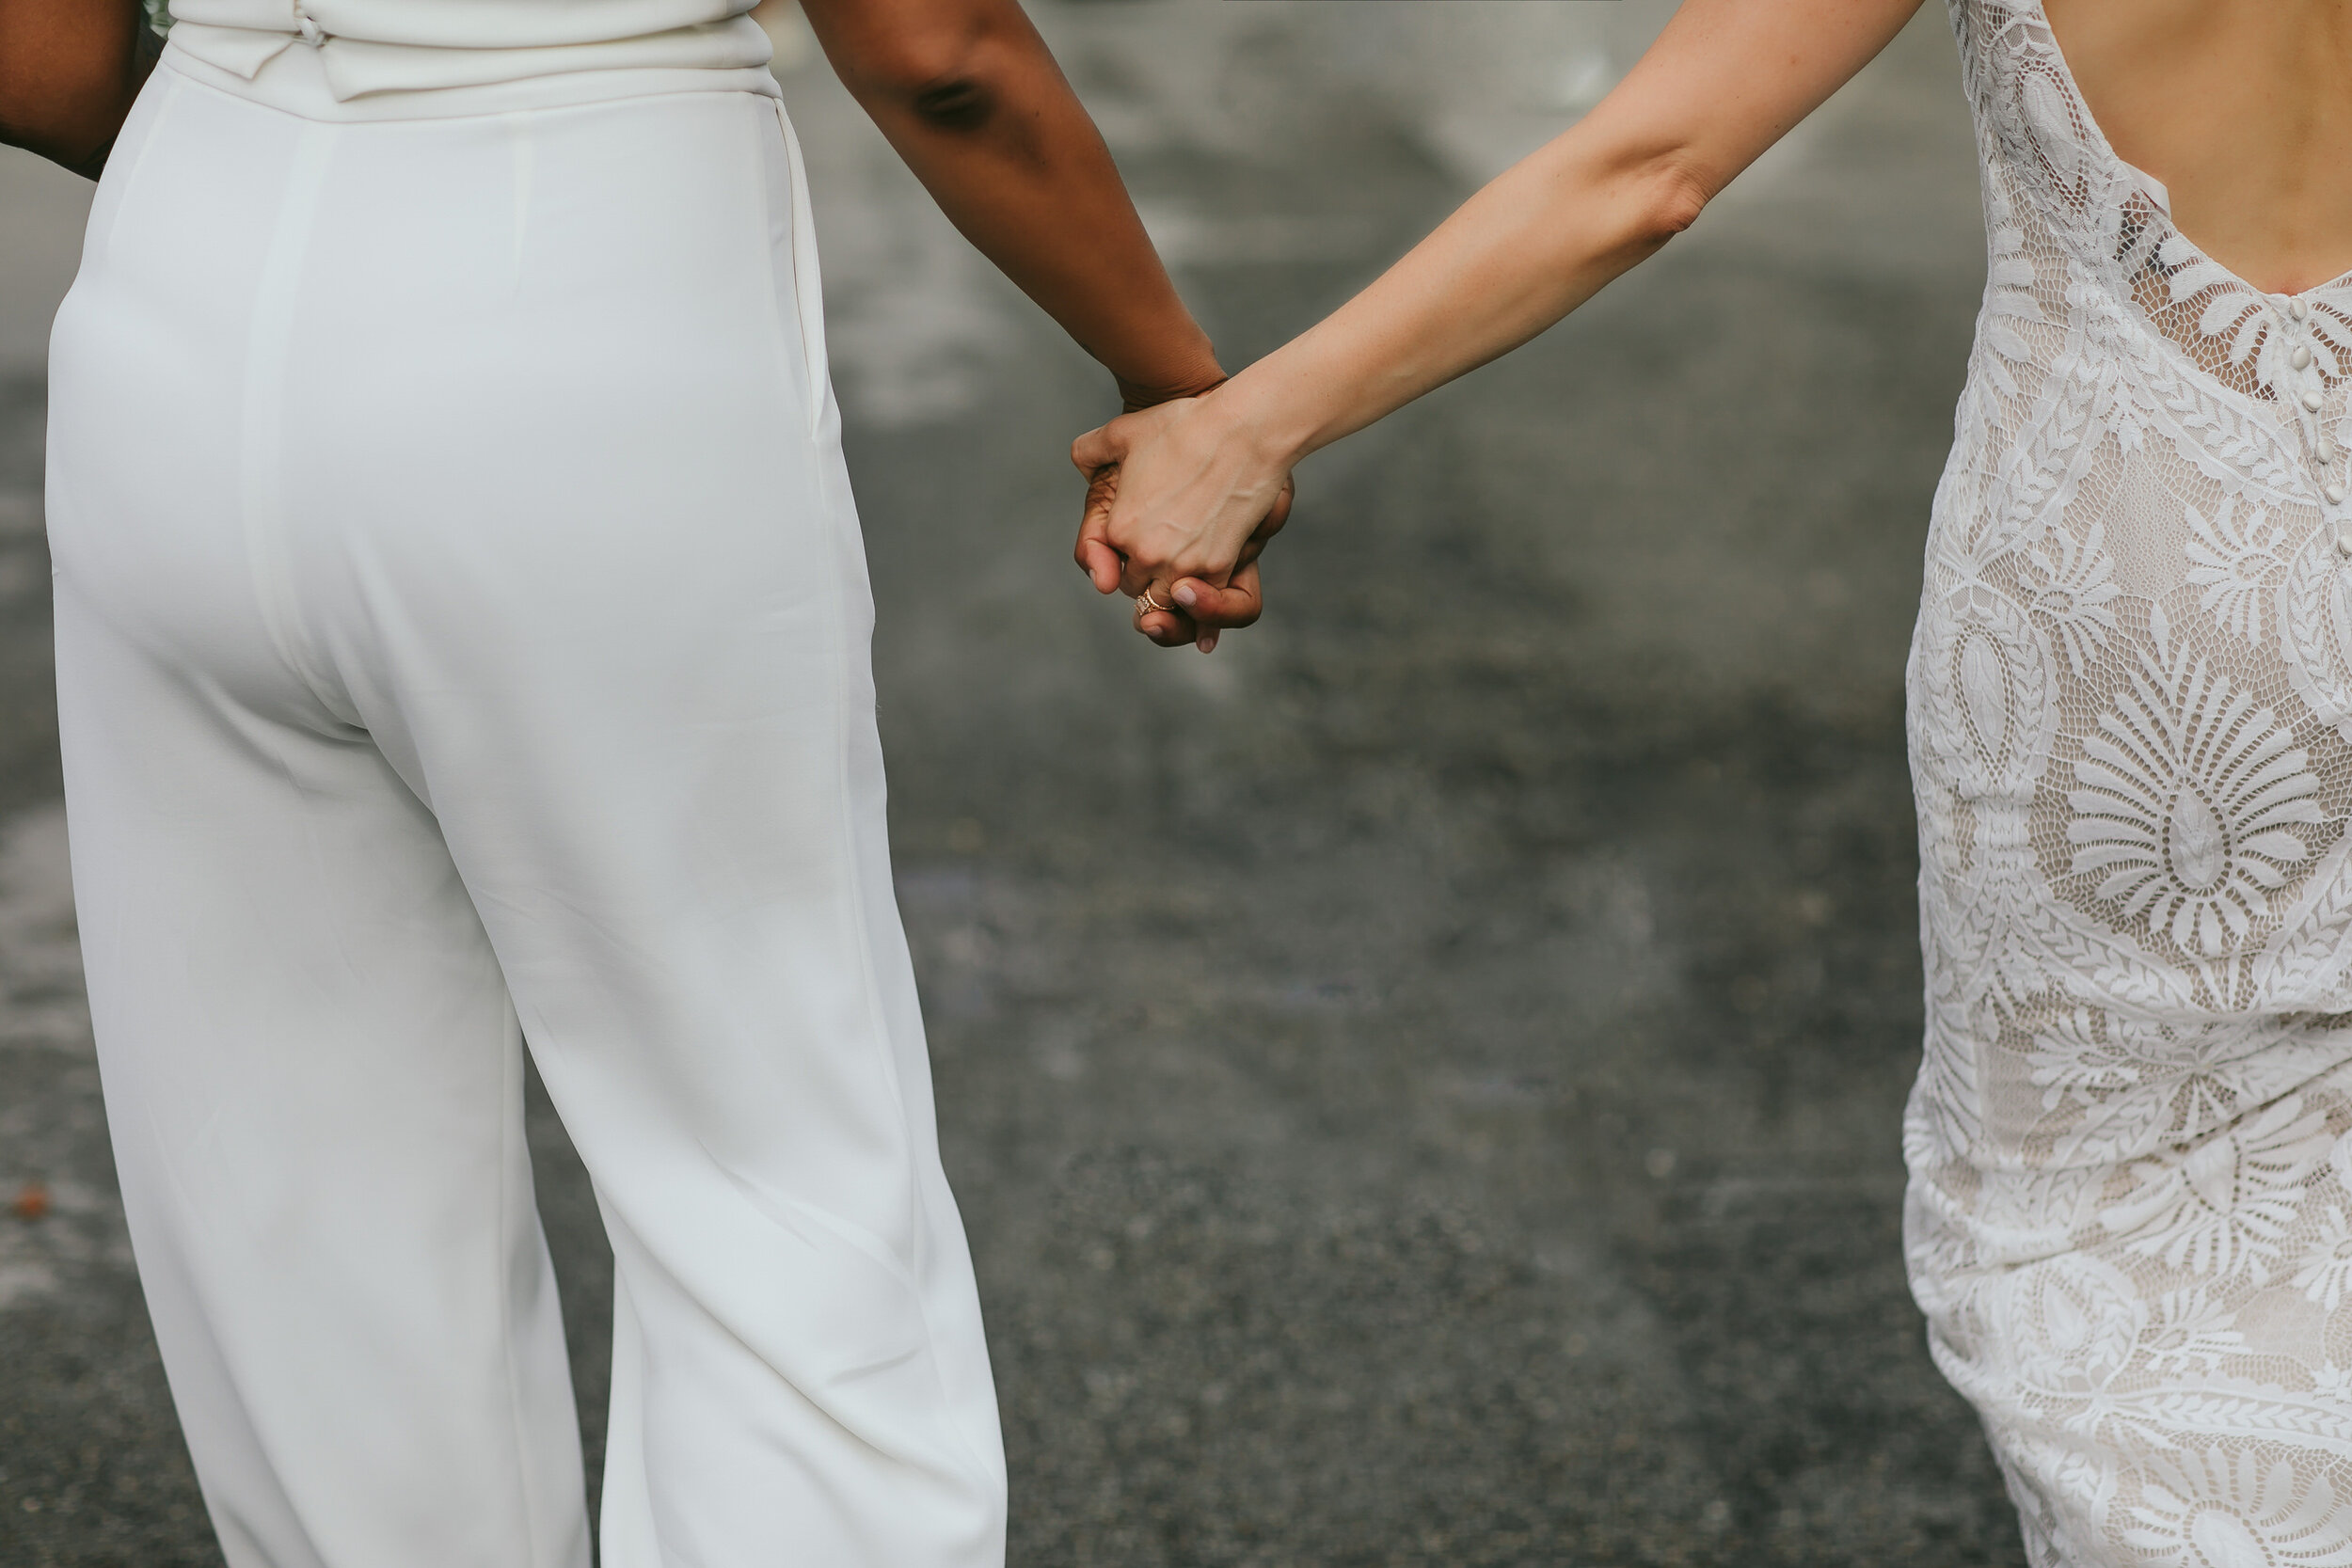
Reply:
x=1422 y=1083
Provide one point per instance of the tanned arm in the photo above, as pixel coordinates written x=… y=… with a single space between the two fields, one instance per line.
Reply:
x=969 y=95
x=69 y=70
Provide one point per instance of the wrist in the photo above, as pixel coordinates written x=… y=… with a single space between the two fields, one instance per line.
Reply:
x=1134 y=397
x=1249 y=409
x=1186 y=373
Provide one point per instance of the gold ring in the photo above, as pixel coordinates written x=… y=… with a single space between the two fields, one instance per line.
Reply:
x=1145 y=602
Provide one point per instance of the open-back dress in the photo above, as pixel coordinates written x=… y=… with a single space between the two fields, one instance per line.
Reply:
x=2130 y=1220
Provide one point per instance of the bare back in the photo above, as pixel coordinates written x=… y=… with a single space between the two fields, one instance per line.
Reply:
x=2242 y=108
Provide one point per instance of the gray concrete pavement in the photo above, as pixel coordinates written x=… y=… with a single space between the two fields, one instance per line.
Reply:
x=1422 y=1082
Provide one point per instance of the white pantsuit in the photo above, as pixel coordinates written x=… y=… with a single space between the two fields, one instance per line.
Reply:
x=462 y=641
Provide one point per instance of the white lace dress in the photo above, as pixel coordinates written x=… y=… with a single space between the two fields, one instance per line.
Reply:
x=2130 y=1219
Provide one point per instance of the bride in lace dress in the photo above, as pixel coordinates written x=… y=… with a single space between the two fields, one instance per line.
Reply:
x=2130 y=1213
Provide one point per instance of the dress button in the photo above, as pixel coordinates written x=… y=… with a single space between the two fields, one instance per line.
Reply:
x=2334 y=494
x=2311 y=401
x=2326 y=451
x=2344 y=546
x=2300 y=358
x=2295 y=308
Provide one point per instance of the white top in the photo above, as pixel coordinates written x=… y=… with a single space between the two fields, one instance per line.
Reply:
x=368 y=46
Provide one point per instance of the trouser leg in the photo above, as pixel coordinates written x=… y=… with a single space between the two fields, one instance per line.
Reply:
x=614 y=634
x=676 y=839
x=314 y=1084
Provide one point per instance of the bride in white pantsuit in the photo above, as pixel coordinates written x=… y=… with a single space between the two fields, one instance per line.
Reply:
x=462 y=631
x=2130 y=1216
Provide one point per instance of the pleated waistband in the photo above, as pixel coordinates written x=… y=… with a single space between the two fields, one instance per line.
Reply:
x=406 y=60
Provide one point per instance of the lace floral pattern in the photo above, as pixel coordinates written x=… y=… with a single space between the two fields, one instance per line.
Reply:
x=2130 y=1222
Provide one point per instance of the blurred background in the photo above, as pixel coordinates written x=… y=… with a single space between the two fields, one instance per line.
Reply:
x=1425 y=1082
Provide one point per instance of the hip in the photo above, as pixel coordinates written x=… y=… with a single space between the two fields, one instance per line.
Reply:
x=452 y=360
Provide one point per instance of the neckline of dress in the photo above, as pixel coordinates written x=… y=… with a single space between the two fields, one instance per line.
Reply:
x=2153 y=188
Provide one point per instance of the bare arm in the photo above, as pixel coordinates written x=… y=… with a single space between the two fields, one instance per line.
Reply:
x=1725 y=80
x=969 y=95
x=69 y=70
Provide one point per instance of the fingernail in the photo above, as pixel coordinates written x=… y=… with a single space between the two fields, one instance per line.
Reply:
x=1184 y=596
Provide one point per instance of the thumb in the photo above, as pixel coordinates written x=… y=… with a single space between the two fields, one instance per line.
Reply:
x=1238 y=603
x=1096 y=557
x=1098 y=448
x=1104 y=567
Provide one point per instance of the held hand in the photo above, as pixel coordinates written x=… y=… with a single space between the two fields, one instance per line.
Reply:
x=1178 y=508
x=1191 y=490
x=1212 y=613
x=1199 y=611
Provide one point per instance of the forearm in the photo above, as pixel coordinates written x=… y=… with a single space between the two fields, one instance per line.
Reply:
x=68 y=71
x=1190 y=482
x=970 y=97
x=1525 y=251
x=1725 y=80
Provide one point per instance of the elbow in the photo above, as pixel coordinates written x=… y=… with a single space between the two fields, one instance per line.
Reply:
x=942 y=77
x=1622 y=202
x=1670 y=197
x=957 y=101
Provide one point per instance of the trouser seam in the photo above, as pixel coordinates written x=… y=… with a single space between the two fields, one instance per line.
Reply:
x=268 y=348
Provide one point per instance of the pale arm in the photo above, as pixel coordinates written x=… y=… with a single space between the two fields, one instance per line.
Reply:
x=1725 y=80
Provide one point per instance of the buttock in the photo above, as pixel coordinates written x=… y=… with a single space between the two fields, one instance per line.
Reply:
x=380 y=372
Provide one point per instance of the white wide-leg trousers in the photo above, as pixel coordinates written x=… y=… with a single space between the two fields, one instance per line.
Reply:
x=462 y=630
